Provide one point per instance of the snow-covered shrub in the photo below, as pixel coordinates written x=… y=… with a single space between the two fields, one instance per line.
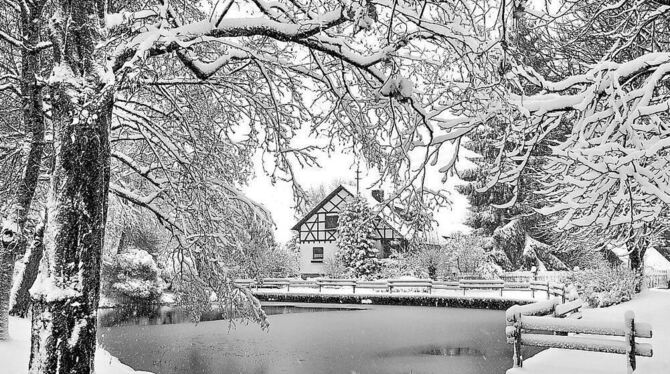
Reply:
x=333 y=268
x=427 y=261
x=489 y=270
x=356 y=250
x=278 y=262
x=401 y=265
x=467 y=255
x=605 y=285
x=133 y=274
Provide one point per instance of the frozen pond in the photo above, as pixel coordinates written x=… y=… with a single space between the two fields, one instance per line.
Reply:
x=313 y=339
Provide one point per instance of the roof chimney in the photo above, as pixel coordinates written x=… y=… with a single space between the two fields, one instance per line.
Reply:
x=378 y=195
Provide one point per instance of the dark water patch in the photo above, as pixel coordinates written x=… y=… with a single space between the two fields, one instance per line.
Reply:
x=146 y=315
x=434 y=350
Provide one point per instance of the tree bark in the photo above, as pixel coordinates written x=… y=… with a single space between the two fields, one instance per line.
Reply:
x=67 y=292
x=31 y=260
x=13 y=239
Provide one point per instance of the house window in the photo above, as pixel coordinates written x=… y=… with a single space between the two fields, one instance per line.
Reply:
x=317 y=254
x=331 y=222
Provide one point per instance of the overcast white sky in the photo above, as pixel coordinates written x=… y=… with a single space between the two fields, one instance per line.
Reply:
x=278 y=198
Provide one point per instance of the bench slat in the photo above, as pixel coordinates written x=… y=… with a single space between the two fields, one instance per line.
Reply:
x=535 y=309
x=612 y=328
x=584 y=344
x=571 y=306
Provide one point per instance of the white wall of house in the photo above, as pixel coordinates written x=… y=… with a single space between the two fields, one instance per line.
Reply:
x=307 y=263
x=309 y=266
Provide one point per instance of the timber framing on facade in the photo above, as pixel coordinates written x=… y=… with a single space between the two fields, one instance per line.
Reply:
x=317 y=231
x=317 y=225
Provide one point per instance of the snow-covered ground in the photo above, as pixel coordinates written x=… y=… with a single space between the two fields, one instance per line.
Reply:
x=15 y=352
x=651 y=306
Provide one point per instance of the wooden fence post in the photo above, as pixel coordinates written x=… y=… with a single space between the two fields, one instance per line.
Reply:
x=548 y=295
x=629 y=318
x=518 y=359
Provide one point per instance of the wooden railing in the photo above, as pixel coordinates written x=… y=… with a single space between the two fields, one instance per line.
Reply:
x=531 y=325
x=527 y=276
x=389 y=285
x=657 y=278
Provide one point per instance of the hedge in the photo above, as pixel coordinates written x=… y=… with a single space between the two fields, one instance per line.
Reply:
x=407 y=300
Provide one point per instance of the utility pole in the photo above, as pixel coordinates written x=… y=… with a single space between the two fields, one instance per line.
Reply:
x=358 y=177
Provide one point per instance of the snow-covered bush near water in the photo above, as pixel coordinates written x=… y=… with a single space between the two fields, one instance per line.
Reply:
x=605 y=285
x=133 y=274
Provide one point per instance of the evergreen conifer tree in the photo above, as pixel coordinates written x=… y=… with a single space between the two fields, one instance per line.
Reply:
x=356 y=250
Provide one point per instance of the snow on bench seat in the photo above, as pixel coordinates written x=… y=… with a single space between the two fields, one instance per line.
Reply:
x=564 y=309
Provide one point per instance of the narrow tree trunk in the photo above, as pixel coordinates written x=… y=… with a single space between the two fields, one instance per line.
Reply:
x=66 y=294
x=13 y=240
x=20 y=304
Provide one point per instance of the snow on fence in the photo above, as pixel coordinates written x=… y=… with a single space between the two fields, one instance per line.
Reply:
x=657 y=278
x=561 y=319
x=527 y=276
x=547 y=288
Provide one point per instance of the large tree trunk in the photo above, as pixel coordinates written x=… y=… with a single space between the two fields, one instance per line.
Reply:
x=13 y=239
x=66 y=294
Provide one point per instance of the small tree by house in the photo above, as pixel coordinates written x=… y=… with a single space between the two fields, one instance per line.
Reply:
x=356 y=250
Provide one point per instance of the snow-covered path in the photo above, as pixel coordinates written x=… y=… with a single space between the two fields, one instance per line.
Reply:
x=651 y=306
x=15 y=352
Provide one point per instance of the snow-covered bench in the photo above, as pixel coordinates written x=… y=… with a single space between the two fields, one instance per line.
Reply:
x=336 y=283
x=373 y=285
x=410 y=283
x=546 y=318
x=481 y=284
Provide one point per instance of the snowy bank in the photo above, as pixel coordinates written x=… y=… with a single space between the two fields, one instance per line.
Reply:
x=15 y=352
x=651 y=306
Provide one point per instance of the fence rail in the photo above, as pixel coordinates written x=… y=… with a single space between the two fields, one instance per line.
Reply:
x=389 y=285
x=527 y=276
x=657 y=279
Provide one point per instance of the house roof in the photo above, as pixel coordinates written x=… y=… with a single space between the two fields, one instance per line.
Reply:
x=317 y=207
x=367 y=196
x=664 y=251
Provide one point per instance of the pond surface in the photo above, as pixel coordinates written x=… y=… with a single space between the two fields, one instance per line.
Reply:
x=368 y=339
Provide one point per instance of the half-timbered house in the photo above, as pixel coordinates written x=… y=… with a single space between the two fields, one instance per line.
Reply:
x=317 y=230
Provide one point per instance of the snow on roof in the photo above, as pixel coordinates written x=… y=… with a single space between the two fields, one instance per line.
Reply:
x=652 y=258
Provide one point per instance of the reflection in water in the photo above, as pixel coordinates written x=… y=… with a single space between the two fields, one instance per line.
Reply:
x=433 y=350
x=144 y=315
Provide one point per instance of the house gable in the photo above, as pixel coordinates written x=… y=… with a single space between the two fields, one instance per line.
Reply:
x=316 y=226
